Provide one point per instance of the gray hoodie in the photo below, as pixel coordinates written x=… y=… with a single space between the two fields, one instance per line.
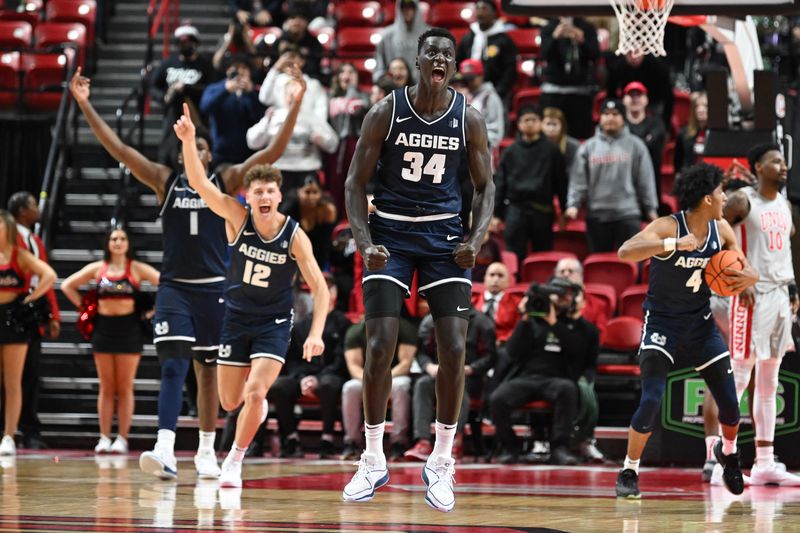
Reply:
x=614 y=176
x=398 y=40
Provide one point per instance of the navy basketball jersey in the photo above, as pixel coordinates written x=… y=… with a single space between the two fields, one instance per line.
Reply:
x=417 y=174
x=677 y=285
x=193 y=236
x=261 y=273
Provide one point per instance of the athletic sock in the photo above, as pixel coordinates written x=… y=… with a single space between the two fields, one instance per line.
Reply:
x=445 y=433
x=374 y=438
x=236 y=453
x=206 y=440
x=630 y=464
x=166 y=440
x=710 y=442
x=728 y=446
x=765 y=455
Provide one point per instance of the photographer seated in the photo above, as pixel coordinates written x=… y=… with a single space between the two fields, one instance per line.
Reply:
x=550 y=350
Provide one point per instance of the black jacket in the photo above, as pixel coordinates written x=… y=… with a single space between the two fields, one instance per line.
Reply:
x=332 y=359
x=500 y=65
x=570 y=63
x=481 y=349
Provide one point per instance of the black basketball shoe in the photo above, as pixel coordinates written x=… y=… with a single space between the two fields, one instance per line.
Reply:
x=628 y=485
x=731 y=470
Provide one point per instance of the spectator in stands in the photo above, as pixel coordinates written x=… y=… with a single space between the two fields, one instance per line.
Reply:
x=554 y=126
x=497 y=303
x=593 y=308
x=232 y=106
x=571 y=313
x=182 y=77
x=623 y=189
x=321 y=378
x=17 y=266
x=342 y=263
x=314 y=209
x=488 y=42
x=346 y=110
x=480 y=358
x=482 y=95
x=273 y=90
x=237 y=41
x=255 y=12
x=549 y=355
x=295 y=32
x=400 y=72
x=532 y=171
x=489 y=253
x=117 y=337
x=570 y=50
x=690 y=145
x=647 y=127
x=22 y=206
x=399 y=40
x=652 y=72
x=311 y=134
x=355 y=347
x=380 y=89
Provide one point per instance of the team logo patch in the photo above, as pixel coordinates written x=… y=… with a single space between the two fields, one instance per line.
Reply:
x=224 y=351
x=285 y=244
x=161 y=328
x=656 y=338
x=713 y=245
x=453 y=122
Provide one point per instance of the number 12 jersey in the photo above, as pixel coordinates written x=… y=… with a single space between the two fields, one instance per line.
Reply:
x=417 y=174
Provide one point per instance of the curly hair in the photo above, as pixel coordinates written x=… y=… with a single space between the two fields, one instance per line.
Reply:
x=695 y=183
x=757 y=153
x=265 y=173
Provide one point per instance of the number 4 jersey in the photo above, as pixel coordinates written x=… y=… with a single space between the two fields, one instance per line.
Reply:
x=417 y=175
x=677 y=285
x=261 y=272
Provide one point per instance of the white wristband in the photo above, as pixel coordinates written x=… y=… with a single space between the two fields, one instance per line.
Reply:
x=670 y=243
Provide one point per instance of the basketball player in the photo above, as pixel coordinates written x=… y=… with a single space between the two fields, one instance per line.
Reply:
x=761 y=316
x=266 y=248
x=189 y=301
x=413 y=142
x=679 y=329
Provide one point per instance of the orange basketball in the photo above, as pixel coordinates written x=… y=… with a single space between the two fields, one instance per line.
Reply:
x=714 y=273
x=645 y=5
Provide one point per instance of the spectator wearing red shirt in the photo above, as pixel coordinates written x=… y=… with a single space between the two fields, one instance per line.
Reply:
x=497 y=303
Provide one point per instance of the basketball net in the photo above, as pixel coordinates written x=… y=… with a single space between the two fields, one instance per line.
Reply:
x=641 y=25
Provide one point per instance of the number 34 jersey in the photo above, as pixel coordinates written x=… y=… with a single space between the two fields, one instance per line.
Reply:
x=261 y=272
x=417 y=173
x=677 y=285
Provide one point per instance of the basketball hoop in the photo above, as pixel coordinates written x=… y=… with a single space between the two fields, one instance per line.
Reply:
x=641 y=25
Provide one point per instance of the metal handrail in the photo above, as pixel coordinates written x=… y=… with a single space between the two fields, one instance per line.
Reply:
x=51 y=181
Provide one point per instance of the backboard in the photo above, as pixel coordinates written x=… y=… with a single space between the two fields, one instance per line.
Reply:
x=732 y=8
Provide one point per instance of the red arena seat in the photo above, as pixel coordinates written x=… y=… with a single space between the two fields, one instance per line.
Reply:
x=452 y=14
x=15 y=34
x=50 y=34
x=44 y=78
x=9 y=79
x=357 y=42
x=622 y=334
x=631 y=300
x=83 y=11
x=358 y=14
x=609 y=269
x=528 y=40
x=539 y=266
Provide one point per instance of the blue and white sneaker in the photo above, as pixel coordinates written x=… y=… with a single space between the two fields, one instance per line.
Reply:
x=439 y=476
x=371 y=475
x=159 y=463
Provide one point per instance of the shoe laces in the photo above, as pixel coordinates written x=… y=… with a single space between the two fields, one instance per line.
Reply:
x=446 y=472
x=364 y=467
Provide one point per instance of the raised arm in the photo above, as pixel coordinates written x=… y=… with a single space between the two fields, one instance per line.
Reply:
x=151 y=174
x=304 y=255
x=47 y=276
x=658 y=238
x=480 y=172
x=234 y=174
x=70 y=285
x=365 y=159
x=220 y=203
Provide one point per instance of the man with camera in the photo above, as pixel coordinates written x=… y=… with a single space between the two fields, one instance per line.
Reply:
x=551 y=349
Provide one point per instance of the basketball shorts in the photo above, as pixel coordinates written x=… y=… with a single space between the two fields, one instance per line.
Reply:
x=426 y=247
x=246 y=337
x=193 y=313
x=691 y=341
x=765 y=330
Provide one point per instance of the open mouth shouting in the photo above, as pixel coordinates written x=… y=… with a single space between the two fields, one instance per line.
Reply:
x=265 y=209
x=438 y=73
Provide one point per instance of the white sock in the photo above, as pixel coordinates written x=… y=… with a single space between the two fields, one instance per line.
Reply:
x=728 y=446
x=206 y=440
x=374 y=438
x=631 y=464
x=444 y=440
x=710 y=442
x=765 y=455
x=166 y=440
x=236 y=453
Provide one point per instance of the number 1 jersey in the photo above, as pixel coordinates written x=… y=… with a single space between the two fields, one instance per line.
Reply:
x=261 y=273
x=417 y=174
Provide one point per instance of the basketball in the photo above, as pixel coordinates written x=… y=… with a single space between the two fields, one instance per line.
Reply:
x=646 y=5
x=715 y=271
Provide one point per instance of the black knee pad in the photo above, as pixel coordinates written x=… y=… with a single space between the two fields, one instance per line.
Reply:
x=173 y=350
x=654 y=367
x=382 y=298
x=719 y=381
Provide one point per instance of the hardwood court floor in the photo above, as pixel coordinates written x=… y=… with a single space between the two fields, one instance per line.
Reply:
x=74 y=491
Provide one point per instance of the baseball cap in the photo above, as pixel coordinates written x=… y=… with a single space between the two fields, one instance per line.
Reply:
x=611 y=104
x=634 y=86
x=471 y=67
x=187 y=30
